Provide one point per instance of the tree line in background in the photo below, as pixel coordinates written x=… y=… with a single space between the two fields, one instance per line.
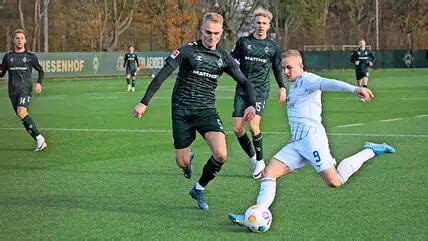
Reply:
x=162 y=25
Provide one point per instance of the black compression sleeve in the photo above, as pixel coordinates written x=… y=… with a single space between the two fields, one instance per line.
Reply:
x=278 y=76
x=157 y=82
x=39 y=69
x=245 y=84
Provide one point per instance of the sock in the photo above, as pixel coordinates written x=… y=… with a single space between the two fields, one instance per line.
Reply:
x=350 y=165
x=245 y=143
x=211 y=168
x=133 y=83
x=30 y=126
x=267 y=192
x=258 y=145
x=199 y=187
x=127 y=81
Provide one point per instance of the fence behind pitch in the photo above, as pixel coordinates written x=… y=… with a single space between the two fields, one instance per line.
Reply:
x=384 y=59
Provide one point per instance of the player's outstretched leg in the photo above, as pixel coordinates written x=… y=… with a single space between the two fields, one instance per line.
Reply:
x=187 y=171
x=198 y=195
x=237 y=218
x=379 y=149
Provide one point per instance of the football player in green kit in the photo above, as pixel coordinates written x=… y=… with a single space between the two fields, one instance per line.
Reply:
x=193 y=100
x=131 y=66
x=257 y=55
x=20 y=63
x=363 y=60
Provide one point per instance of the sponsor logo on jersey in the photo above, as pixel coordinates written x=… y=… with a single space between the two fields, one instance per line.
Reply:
x=18 y=68
x=175 y=54
x=219 y=63
x=255 y=59
x=267 y=49
x=198 y=57
x=205 y=74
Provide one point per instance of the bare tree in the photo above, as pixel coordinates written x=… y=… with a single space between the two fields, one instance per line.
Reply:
x=121 y=19
x=237 y=16
x=38 y=13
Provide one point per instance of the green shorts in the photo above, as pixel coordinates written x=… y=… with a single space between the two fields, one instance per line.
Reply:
x=359 y=74
x=131 y=71
x=185 y=123
x=22 y=99
x=239 y=105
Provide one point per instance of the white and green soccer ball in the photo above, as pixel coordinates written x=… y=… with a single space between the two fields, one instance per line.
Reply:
x=258 y=219
x=152 y=75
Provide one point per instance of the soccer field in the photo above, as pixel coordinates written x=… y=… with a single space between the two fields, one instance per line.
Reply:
x=106 y=175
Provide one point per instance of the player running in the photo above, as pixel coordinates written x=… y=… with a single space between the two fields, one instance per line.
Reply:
x=257 y=55
x=193 y=100
x=20 y=63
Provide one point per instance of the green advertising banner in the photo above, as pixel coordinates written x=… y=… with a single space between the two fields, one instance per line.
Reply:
x=384 y=59
x=80 y=64
x=83 y=64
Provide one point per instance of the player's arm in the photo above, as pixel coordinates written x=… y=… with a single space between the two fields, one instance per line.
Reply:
x=137 y=62
x=171 y=63
x=372 y=58
x=277 y=72
x=235 y=53
x=336 y=85
x=354 y=58
x=125 y=60
x=233 y=70
x=3 y=67
x=38 y=67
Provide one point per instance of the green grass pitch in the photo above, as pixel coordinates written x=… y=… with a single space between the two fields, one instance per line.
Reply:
x=109 y=176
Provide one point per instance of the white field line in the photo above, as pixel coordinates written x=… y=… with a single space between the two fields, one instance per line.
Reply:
x=228 y=132
x=414 y=98
x=350 y=125
x=386 y=120
x=390 y=120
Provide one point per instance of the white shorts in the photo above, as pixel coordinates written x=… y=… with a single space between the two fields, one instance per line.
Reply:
x=311 y=149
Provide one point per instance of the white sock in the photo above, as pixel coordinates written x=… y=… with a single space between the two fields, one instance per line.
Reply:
x=39 y=137
x=199 y=187
x=350 y=165
x=267 y=192
x=253 y=159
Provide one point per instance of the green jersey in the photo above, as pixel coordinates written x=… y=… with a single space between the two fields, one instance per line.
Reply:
x=198 y=74
x=364 y=56
x=131 y=61
x=20 y=67
x=257 y=57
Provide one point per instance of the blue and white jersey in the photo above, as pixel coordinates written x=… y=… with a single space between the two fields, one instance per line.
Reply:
x=304 y=106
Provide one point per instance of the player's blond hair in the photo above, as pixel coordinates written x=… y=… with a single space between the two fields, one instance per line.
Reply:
x=19 y=31
x=212 y=17
x=264 y=13
x=291 y=53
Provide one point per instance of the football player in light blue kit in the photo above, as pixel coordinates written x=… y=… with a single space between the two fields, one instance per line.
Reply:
x=309 y=143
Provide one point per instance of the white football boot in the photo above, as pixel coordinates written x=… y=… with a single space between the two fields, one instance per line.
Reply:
x=258 y=167
x=41 y=143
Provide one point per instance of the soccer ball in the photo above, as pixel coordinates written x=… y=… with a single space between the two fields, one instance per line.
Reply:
x=258 y=219
x=153 y=75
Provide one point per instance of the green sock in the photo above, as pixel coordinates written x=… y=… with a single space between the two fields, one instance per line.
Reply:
x=258 y=145
x=245 y=143
x=30 y=126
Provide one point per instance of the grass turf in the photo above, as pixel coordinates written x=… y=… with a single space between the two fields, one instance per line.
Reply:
x=106 y=175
